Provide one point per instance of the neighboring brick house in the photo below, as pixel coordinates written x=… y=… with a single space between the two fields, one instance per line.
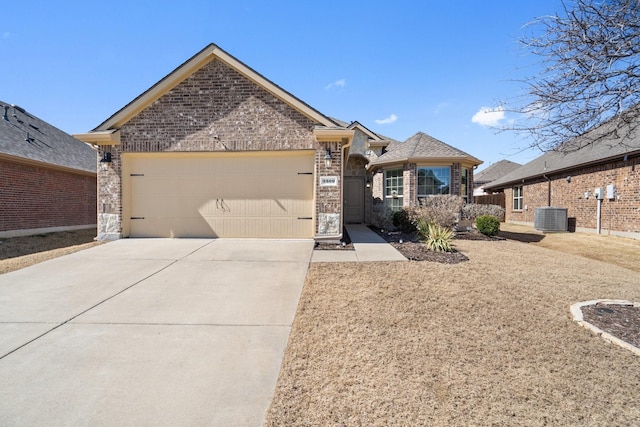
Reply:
x=492 y=173
x=214 y=149
x=569 y=180
x=420 y=167
x=47 y=177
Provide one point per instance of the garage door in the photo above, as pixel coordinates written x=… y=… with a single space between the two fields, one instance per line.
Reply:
x=220 y=195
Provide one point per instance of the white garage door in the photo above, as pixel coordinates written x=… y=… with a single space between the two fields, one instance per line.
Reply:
x=220 y=194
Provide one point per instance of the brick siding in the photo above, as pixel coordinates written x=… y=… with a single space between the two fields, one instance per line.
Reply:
x=39 y=197
x=621 y=214
x=215 y=109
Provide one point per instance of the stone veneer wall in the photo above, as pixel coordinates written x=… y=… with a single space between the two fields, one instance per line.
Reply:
x=620 y=215
x=215 y=109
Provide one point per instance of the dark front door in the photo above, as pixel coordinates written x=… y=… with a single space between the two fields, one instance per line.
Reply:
x=353 y=199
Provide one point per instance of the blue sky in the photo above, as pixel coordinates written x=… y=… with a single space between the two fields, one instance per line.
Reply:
x=396 y=67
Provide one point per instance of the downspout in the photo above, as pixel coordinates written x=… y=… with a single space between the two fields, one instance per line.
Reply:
x=548 y=189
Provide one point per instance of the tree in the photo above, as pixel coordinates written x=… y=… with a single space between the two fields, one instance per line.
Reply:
x=590 y=75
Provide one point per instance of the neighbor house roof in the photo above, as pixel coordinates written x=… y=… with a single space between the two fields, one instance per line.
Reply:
x=605 y=149
x=27 y=138
x=495 y=171
x=177 y=76
x=422 y=147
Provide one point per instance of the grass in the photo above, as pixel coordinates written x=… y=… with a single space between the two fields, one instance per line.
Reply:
x=20 y=252
x=486 y=342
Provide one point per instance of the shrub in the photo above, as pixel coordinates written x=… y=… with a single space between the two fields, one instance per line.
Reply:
x=472 y=211
x=436 y=237
x=443 y=210
x=403 y=220
x=381 y=216
x=488 y=225
x=423 y=227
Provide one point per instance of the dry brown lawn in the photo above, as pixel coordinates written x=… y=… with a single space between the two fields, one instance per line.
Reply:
x=21 y=252
x=489 y=341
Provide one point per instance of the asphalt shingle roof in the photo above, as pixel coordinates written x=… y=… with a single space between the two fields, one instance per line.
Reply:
x=600 y=151
x=26 y=136
x=420 y=146
x=495 y=171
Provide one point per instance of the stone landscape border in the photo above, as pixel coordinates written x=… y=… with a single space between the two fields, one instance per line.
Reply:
x=576 y=311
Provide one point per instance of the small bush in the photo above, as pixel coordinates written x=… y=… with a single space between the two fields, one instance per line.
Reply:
x=403 y=220
x=443 y=210
x=472 y=211
x=436 y=237
x=423 y=227
x=381 y=216
x=488 y=225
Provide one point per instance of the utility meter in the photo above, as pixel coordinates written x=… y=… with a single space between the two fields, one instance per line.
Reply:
x=598 y=193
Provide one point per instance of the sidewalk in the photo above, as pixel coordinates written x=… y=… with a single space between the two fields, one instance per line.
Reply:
x=368 y=247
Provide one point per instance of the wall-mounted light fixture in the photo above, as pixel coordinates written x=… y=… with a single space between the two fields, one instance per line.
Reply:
x=368 y=182
x=569 y=179
x=105 y=160
x=327 y=158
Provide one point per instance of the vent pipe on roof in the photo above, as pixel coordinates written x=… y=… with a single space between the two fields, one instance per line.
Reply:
x=6 y=109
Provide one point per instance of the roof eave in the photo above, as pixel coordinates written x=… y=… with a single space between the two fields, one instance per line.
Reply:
x=560 y=170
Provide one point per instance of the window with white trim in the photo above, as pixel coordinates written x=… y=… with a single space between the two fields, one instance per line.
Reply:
x=517 y=198
x=393 y=185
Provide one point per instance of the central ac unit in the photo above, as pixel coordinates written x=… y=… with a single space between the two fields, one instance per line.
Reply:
x=550 y=219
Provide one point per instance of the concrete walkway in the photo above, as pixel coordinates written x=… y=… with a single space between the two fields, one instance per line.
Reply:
x=368 y=247
x=161 y=332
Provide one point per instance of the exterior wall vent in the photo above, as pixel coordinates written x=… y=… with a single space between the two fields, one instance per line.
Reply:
x=550 y=219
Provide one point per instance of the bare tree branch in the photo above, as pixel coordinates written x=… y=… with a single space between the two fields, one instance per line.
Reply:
x=590 y=59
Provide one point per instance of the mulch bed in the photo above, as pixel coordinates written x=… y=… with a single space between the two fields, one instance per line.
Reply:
x=410 y=246
x=621 y=321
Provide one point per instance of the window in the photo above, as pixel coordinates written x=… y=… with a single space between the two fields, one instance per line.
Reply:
x=393 y=184
x=517 y=198
x=464 y=184
x=433 y=181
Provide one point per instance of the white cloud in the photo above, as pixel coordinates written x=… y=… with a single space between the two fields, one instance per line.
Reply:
x=487 y=116
x=392 y=118
x=338 y=83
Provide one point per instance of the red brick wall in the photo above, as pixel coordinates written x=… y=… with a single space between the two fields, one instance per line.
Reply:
x=38 y=197
x=621 y=214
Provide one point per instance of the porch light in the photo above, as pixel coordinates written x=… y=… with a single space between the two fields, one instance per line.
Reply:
x=327 y=158
x=104 y=161
x=368 y=182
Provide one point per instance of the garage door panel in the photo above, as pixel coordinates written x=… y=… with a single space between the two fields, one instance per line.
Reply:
x=222 y=196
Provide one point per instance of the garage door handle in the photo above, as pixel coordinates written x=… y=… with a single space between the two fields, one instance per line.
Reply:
x=305 y=217
x=305 y=173
x=137 y=217
x=136 y=174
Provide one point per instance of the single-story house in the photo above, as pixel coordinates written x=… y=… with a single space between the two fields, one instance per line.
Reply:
x=215 y=149
x=420 y=167
x=599 y=184
x=492 y=173
x=47 y=177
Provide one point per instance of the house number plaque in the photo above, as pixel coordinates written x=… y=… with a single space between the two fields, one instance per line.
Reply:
x=328 y=181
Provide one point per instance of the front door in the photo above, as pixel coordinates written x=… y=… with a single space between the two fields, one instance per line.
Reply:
x=353 y=199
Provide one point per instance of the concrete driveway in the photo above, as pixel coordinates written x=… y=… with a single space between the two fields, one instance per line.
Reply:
x=149 y=332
